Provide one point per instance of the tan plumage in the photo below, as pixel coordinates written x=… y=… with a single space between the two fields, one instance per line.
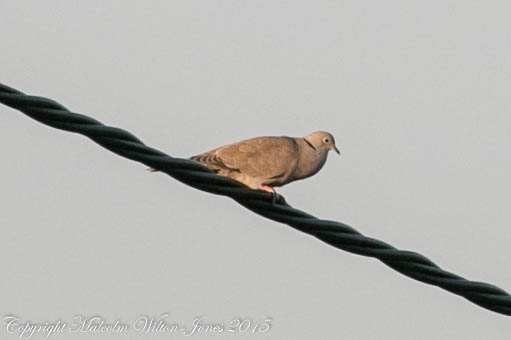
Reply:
x=255 y=162
x=266 y=162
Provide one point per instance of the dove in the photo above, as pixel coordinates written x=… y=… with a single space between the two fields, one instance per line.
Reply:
x=262 y=163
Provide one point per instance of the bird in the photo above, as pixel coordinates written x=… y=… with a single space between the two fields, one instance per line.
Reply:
x=262 y=163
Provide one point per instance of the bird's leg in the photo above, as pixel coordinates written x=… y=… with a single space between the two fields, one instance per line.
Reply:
x=275 y=195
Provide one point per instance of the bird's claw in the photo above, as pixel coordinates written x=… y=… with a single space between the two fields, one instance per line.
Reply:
x=274 y=198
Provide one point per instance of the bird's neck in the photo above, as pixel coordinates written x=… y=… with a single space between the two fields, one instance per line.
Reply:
x=310 y=160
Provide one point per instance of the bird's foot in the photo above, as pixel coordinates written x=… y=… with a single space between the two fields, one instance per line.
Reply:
x=275 y=195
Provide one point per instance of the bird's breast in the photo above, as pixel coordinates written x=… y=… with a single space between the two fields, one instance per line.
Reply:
x=309 y=163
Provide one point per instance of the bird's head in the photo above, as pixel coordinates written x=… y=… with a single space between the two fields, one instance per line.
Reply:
x=322 y=140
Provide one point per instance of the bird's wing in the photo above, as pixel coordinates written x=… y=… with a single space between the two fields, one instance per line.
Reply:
x=261 y=157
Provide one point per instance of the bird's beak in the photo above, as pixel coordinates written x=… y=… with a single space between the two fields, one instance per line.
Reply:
x=337 y=150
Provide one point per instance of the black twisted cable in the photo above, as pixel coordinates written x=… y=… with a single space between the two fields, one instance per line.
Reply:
x=196 y=175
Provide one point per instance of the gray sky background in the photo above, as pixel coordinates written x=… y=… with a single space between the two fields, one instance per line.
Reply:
x=416 y=93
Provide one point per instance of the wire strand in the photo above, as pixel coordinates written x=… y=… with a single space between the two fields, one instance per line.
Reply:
x=194 y=174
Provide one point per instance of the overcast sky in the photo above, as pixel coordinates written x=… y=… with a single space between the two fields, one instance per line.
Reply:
x=416 y=94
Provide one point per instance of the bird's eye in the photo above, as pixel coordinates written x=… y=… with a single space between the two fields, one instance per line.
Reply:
x=326 y=140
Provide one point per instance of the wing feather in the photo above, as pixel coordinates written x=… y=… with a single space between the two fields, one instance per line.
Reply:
x=260 y=157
